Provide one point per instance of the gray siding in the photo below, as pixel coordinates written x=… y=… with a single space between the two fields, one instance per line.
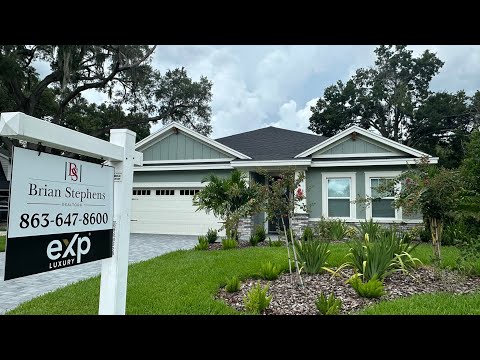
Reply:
x=181 y=147
x=359 y=146
x=315 y=193
x=178 y=175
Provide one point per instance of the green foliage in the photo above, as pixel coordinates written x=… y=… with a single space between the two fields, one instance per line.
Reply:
x=456 y=231
x=202 y=243
x=212 y=235
x=269 y=271
x=469 y=205
x=338 y=230
x=233 y=284
x=373 y=288
x=351 y=232
x=260 y=232
x=253 y=240
x=321 y=229
x=328 y=306
x=373 y=229
x=469 y=260
x=275 y=243
x=312 y=255
x=256 y=300
x=2 y=243
x=229 y=244
x=307 y=234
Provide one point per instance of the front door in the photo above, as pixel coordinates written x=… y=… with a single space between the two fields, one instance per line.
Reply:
x=275 y=225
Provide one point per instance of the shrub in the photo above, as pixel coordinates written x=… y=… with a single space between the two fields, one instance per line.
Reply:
x=338 y=230
x=456 y=232
x=312 y=255
x=275 y=243
x=229 y=244
x=373 y=288
x=469 y=260
x=321 y=229
x=256 y=300
x=328 y=306
x=260 y=233
x=202 y=243
x=212 y=236
x=371 y=228
x=307 y=234
x=233 y=285
x=269 y=271
x=253 y=240
x=351 y=232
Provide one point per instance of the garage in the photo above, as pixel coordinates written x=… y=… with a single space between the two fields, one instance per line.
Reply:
x=169 y=211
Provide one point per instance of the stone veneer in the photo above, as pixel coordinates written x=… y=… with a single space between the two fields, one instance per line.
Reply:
x=245 y=228
x=400 y=226
x=299 y=223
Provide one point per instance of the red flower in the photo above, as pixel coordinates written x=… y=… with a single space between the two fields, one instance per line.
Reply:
x=299 y=193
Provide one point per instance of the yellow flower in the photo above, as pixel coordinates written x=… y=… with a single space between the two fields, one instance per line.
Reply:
x=366 y=237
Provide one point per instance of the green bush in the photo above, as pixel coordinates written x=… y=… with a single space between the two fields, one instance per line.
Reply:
x=328 y=306
x=469 y=260
x=338 y=230
x=202 y=243
x=388 y=253
x=233 y=285
x=371 y=228
x=307 y=234
x=253 y=240
x=456 y=232
x=212 y=236
x=275 y=243
x=269 y=271
x=312 y=255
x=256 y=300
x=229 y=244
x=373 y=288
x=321 y=229
x=260 y=233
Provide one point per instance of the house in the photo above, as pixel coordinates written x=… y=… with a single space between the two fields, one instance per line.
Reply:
x=338 y=170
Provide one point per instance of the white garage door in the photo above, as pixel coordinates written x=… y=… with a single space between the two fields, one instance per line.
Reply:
x=169 y=211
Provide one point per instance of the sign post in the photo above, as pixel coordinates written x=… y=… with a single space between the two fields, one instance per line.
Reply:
x=122 y=157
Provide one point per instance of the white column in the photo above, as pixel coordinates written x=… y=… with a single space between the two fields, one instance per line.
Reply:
x=300 y=208
x=113 y=285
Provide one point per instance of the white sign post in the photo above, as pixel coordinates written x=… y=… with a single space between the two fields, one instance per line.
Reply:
x=121 y=154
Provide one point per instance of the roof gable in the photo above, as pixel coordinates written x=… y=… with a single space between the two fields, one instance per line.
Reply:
x=176 y=142
x=376 y=144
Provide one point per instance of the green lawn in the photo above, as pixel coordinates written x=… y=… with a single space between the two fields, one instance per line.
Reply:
x=183 y=282
x=2 y=243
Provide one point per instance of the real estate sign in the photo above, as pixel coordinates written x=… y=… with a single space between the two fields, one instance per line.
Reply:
x=60 y=213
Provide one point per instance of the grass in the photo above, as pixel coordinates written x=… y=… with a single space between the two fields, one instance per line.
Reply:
x=185 y=281
x=2 y=243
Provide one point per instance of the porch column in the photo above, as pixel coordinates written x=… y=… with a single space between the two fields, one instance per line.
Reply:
x=301 y=207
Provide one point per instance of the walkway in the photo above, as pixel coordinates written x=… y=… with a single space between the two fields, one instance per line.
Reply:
x=142 y=247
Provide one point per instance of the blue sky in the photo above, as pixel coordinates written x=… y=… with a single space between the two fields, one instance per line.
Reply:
x=260 y=85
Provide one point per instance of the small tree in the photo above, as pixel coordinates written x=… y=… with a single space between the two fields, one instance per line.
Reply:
x=431 y=190
x=230 y=199
x=470 y=174
x=279 y=199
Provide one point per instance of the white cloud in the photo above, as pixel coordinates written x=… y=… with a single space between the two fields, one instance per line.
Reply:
x=293 y=119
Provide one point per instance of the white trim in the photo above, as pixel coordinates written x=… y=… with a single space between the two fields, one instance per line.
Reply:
x=353 y=193
x=401 y=161
x=160 y=162
x=185 y=167
x=393 y=221
x=260 y=163
x=142 y=144
x=179 y=184
x=368 y=192
x=366 y=133
x=373 y=155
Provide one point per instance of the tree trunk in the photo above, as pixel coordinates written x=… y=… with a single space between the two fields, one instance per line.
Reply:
x=436 y=229
x=288 y=249
x=293 y=249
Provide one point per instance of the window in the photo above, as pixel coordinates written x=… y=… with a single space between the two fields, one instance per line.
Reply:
x=338 y=194
x=381 y=207
x=140 y=192
x=189 y=192
x=165 y=192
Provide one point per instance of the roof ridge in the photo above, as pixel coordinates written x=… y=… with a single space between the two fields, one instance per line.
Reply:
x=273 y=127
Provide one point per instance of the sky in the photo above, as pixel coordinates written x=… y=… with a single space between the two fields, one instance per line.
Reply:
x=255 y=86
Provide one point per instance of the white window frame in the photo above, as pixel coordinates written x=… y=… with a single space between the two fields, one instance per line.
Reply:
x=353 y=193
x=368 y=193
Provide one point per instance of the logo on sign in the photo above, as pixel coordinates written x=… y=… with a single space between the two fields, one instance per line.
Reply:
x=67 y=252
x=73 y=171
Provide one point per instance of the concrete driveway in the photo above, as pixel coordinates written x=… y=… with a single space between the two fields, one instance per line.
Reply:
x=142 y=247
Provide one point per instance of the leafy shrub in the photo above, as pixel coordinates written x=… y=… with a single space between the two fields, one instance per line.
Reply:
x=275 y=243
x=351 y=232
x=233 y=285
x=338 y=230
x=212 y=236
x=229 y=244
x=256 y=300
x=312 y=255
x=469 y=260
x=373 y=288
x=202 y=243
x=307 y=234
x=425 y=234
x=321 y=229
x=456 y=232
x=260 y=233
x=413 y=233
x=371 y=228
x=253 y=240
x=388 y=253
x=269 y=271
x=328 y=306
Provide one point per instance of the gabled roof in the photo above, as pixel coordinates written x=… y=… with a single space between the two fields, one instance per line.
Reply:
x=152 y=138
x=357 y=129
x=272 y=143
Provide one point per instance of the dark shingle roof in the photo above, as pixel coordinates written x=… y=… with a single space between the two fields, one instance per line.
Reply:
x=271 y=143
